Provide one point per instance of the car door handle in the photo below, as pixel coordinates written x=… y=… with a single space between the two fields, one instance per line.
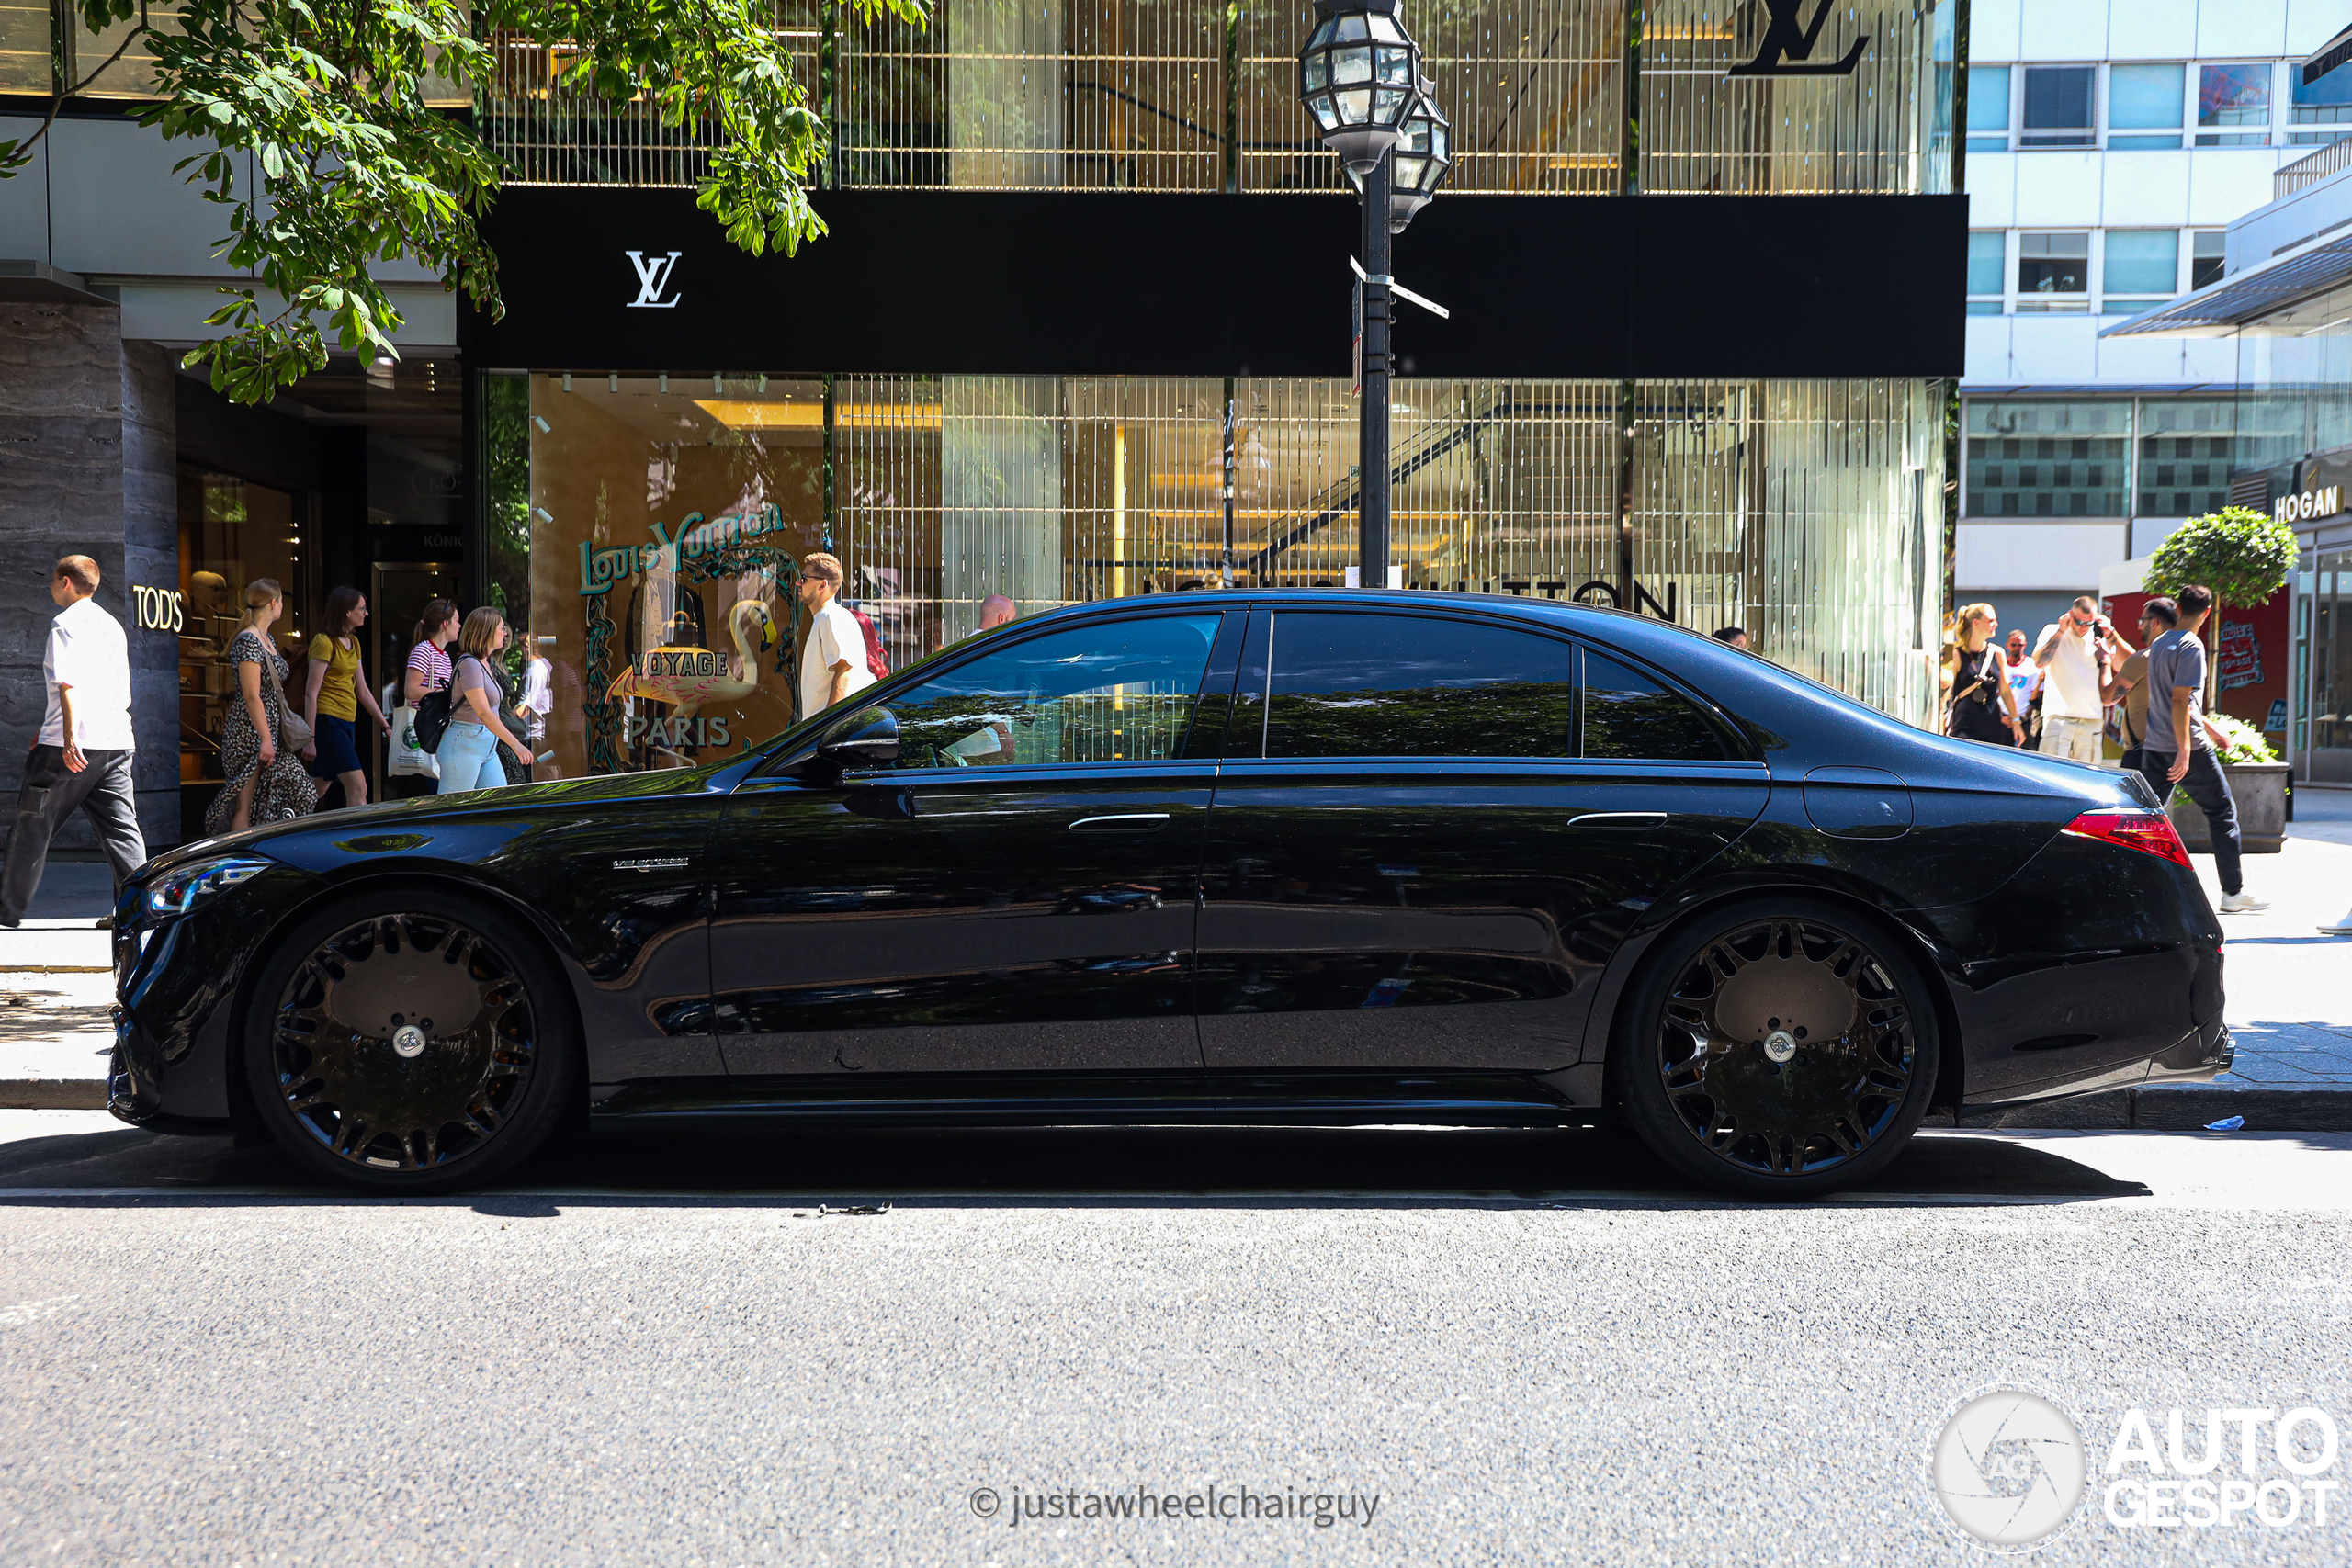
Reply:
x=1619 y=819
x=1129 y=822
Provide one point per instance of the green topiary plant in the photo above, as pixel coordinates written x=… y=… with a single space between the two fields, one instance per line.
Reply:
x=2241 y=554
x=2246 y=744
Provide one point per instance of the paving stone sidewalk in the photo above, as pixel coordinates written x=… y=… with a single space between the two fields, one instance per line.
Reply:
x=2290 y=997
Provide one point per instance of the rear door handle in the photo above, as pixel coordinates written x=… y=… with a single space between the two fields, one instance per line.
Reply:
x=1619 y=819
x=1128 y=822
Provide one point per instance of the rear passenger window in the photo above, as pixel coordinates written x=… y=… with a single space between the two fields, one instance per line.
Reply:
x=1627 y=714
x=1380 y=685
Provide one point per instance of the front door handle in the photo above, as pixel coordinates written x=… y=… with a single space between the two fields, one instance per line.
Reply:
x=1128 y=822
x=1619 y=819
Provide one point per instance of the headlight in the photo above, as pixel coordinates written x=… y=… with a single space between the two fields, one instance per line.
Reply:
x=182 y=888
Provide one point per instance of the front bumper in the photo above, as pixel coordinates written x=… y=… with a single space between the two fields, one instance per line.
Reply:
x=177 y=984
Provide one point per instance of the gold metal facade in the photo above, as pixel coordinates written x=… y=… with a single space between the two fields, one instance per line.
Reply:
x=1195 y=96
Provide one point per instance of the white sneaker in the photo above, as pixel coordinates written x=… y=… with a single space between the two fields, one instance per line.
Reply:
x=2241 y=904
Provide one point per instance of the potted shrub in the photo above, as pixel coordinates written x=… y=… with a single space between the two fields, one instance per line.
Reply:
x=2258 y=784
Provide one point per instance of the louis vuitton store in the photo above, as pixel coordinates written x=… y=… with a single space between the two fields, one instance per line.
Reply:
x=1059 y=349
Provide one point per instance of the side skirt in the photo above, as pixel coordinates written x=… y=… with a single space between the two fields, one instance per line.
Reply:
x=1023 y=1101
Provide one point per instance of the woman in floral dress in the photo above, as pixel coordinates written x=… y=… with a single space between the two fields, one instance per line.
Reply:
x=265 y=784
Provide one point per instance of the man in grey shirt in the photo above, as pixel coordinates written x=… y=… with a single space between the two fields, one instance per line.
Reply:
x=2178 y=751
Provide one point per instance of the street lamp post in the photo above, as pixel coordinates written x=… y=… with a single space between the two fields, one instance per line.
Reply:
x=1360 y=76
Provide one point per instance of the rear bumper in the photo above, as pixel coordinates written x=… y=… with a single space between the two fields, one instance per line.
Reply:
x=2199 y=1056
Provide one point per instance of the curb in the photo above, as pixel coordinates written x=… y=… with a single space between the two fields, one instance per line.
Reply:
x=2181 y=1108
x=53 y=1094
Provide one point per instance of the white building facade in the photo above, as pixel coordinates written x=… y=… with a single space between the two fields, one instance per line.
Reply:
x=2109 y=142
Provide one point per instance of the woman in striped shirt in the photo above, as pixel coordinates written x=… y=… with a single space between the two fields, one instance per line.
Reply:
x=428 y=662
x=428 y=671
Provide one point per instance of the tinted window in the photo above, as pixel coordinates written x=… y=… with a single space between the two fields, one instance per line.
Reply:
x=1121 y=691
x=1375 y=685
x=1626 y=714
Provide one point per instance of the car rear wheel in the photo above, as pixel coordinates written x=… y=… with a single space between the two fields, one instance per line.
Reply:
x=1777 y=1049
x=410 y=1042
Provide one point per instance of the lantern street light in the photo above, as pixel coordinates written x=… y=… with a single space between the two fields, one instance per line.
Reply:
x=1424 y=154
x=1360 y=76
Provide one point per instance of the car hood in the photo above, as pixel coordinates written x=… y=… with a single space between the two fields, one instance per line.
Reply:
x=393 y=816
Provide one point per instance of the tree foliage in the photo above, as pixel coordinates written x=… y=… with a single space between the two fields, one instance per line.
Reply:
x=2241 y=554
x=324 y=100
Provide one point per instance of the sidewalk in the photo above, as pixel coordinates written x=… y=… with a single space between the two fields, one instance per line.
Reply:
x=56 y=987
x=2290 y=1004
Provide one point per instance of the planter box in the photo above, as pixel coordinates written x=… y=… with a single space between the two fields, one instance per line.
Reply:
x=2260 y=789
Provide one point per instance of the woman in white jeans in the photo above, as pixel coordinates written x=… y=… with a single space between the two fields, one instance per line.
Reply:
x=469 y=752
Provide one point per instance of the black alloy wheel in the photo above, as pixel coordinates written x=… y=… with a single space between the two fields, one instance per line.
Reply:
x=411 y=1043
x=1779 y=1049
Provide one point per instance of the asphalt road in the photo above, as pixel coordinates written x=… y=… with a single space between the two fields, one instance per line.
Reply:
x=1526 y=1347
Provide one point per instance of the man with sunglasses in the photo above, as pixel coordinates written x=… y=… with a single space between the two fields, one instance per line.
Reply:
x=2075 y=655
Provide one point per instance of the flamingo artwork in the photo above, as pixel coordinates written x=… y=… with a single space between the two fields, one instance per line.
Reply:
x=689 y=678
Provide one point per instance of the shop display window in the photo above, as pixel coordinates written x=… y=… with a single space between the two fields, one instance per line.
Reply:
x=667 y=517
x=232 y=532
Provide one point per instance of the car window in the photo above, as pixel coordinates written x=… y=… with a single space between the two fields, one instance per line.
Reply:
x=1382 y=686
x=1121 y=691
x=1627 y=714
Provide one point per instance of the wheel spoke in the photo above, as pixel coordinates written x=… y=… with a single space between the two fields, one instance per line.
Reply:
x=338 y=1074
x=1784 y=1046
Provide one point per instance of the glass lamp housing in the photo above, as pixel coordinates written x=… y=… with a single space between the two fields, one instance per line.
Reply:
x=1356 y=76
x=1424 y=154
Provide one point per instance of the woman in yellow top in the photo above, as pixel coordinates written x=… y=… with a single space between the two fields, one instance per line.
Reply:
x=337 y=689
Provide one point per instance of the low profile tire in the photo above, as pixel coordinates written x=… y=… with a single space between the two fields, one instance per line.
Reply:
x=1778 y=1048
x=410 y=1042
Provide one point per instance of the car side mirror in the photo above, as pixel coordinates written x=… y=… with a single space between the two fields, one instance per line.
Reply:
x=873 y=743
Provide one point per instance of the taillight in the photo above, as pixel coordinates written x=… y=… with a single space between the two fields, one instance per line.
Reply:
x=2150 y=832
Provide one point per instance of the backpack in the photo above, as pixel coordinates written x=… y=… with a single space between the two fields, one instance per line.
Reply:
x=877 y=663
x=432 y=721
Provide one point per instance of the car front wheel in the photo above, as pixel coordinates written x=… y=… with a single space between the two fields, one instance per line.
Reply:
x=410 y=1042
x=1777 y=1049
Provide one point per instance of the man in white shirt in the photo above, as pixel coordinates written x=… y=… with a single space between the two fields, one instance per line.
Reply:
x=82 y=756
x=833 y=661
x=2075 y=656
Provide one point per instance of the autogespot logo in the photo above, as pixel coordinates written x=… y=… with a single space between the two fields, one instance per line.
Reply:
x=2008 y=1468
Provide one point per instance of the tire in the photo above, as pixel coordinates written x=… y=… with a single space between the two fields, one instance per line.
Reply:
x=1777 y=1047
x=354 y=1062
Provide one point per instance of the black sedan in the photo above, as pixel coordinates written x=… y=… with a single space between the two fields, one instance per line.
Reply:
x=1304 y=858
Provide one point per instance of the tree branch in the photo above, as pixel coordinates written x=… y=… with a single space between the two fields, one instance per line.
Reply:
x=18 y=156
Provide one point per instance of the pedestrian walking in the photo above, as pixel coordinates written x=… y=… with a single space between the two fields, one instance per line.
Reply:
x=2025 y=682
x=2179 y=749
x=2129 y=684
x=266 y=782
x=1734 y=637
x=82 y=756
x=1984 y=704
x=833 y=661
x=331 y=698
x=478 y=698
x=429 y=667
x=410 y=771
x=2076 y=657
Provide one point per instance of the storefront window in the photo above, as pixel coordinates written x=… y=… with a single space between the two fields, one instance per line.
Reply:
x=667 y=517
x=2327 y=592
x=232 y=532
